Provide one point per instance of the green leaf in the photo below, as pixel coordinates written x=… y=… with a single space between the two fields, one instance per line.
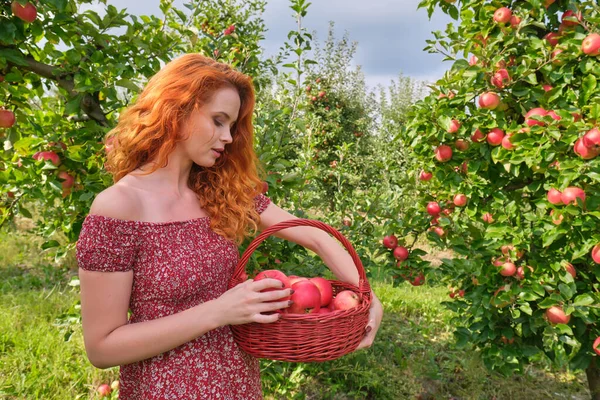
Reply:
x=126 y=83
x=50 y=244
x=589 y=85
x=584 y=300
x=13 y=56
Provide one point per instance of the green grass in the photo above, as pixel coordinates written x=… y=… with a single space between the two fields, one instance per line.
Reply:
x=413 y=355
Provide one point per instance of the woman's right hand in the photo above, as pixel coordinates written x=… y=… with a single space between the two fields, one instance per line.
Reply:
x=245 y=303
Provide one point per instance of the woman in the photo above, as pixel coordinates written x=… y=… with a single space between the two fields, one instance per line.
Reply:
x=162 y=241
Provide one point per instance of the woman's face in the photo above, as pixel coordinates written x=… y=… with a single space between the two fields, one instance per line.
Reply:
x=208 y=129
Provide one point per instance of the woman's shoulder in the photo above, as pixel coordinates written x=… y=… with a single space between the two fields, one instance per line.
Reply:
x=117 y=202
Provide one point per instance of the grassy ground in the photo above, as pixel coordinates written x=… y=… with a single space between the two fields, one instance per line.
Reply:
x=42 y=354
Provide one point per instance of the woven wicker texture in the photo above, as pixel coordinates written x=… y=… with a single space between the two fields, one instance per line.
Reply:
x=306 y=337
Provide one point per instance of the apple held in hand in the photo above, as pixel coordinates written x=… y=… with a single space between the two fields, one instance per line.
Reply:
x=325 y=289
x=274 y=274
x=346 y=300
x=306 y=298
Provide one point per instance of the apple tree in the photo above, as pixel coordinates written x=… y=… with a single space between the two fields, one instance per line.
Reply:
x=508 y=179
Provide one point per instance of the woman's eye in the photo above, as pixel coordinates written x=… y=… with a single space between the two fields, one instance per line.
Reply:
x=217 y=123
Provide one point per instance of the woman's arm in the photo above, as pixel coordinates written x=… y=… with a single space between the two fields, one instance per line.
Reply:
x=331 y=252
x=110 y=341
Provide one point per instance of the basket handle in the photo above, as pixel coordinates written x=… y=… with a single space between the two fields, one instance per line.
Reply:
x=363 y=283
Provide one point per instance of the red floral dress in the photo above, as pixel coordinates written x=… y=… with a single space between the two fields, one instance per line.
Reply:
x=176 y=265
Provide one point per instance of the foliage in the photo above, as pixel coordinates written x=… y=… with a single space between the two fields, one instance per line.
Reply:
x=512 y=184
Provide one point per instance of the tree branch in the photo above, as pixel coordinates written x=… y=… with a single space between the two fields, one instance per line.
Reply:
x=88 y=104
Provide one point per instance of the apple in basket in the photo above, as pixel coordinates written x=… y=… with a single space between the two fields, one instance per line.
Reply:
x=306 y=298
x=325 y=288
x=294 y=279
x=274 y=274
x=345 y=300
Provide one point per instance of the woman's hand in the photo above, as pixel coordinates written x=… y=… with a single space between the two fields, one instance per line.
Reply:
x=245 y=303
x=375 y=316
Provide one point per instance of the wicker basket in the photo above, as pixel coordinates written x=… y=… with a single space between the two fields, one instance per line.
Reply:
x=306 y=337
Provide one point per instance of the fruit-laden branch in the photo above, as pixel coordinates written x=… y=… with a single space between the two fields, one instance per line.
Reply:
x=89 y=104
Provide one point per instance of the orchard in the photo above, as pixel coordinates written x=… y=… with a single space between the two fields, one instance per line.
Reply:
x=496 y=164
x=517 y=146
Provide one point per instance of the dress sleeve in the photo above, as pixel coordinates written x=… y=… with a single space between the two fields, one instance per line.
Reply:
x=261 y=202
x=106 y=244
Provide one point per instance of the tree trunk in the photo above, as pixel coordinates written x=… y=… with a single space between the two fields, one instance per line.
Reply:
x=593 y=377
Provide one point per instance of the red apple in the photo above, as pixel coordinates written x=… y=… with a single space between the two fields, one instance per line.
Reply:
x=515 y=21
x=104 y=390
x=558 y=220
x=506 y=143
x=275 y=274
x=591 y=44
x=556 y=315
x=47 y=155
x=552 y=38
x=587 y=153
x=554 y=196
x=401 y=253
x=345 y=300
x=390 y=242
x=68 y=180
x=520 y=273
x=27 y=13
x=488 y=218
x=321 y=94
x=571 y=269
x=540 y=112
x=477 y=136
x=433 y=208
x=419 y=280
x=508 y=269
x=596 y=346
x=443 y=153
x=554 y=55
x=571 y=194
x=425 y=176
x=500 y=78
x=592 y=138
x=473 y=60
x=461 y=145
x=294 y=279
x=325 y=288
x=596 y=253
x=438 y=230
x=454 y=126
x=265 y=187
x=460 y=200
x=547 y=88
x=494 y=137
x=7 y=118
x=306 y=298
x=570 y=18
x=502 y=15
x=489 y=100
x=115 y=385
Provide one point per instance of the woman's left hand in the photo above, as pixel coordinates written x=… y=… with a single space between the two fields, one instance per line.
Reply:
x=375 y=316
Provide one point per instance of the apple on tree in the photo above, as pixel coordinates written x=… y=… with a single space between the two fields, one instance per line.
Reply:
x=591 y=45
x=7 y=118
x=27 y=13
x=556 y=315
x=390 y=242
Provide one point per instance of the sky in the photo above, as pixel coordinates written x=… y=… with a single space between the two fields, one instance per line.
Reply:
x=391 y=34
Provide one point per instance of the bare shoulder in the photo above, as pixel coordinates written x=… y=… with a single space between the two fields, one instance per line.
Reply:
x=117 y=201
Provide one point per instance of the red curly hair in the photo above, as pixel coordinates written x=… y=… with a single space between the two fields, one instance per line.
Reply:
x=148 y=131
